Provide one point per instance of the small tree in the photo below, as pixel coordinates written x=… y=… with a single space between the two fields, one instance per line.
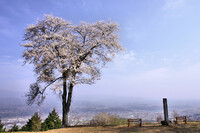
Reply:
x=52 y=121
x=24 y=128
x=2 y=129
x=15 y=128
x=66 y=55
x=174 y=114
x=33 y=124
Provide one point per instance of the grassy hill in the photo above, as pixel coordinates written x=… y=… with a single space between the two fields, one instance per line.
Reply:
x=191 y=127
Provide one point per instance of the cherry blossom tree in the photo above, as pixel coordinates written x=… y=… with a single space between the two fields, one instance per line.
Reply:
x=65 y=55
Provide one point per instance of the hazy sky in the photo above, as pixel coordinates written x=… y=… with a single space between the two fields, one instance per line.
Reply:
x=161 y=37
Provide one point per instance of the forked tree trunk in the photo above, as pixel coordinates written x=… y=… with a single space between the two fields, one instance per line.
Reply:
x=64 y=95
x=66 y=105
x=69 y=98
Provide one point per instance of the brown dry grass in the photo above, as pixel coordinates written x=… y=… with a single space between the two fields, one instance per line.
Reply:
x=191 y=127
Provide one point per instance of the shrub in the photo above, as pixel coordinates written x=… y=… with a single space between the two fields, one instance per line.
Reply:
x=159 y=119
x=24 y=128
x=174 y=114
x=1 y=127
x=15 y=128
x=33 y=124
x=52 y=121
x=103 y=119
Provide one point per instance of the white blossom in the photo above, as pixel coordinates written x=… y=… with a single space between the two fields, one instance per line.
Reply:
x=63 y=52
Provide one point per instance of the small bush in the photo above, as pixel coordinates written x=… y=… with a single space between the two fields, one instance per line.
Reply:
x=33 y=124
x=103 y=119
x=174 y=114
x=159 y=119
x=15 y=128
x=2 y=129
x=52 y=121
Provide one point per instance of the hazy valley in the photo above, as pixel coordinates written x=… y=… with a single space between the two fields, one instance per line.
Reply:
x=15 y=111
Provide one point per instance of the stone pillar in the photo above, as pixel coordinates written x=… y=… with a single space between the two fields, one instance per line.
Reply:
x=165 y=108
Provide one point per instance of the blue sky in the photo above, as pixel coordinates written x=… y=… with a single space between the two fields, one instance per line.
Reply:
x=161 y=37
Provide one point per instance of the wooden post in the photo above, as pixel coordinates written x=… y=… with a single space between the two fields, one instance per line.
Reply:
x=128 y=123
x=166 y=119
x=140 y=122
x=185 y=120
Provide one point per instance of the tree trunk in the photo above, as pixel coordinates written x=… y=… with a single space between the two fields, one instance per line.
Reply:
x=69 y=99
x=66 y=105
x=65 y=114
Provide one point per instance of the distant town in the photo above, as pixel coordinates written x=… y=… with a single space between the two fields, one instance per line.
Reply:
x=83 y=112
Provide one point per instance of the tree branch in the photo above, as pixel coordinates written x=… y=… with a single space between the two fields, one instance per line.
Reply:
x=81 y=58
x=50 y=84
x=36 y=94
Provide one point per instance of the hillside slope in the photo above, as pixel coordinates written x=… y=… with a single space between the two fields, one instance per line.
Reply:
x=191 y=127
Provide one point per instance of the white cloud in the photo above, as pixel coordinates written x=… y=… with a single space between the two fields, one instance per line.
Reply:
x=8 y=32
x=181 y=83
x=169 y=82
x=131 y=32
x=167 y=61
x=20 y=60
x=83 y=2
x=4 y=21
x=7 y=29
x=174 y=4
x=130 y=56
x=59 y=3
x=7 y=56
x=13 y=70
x=123 y=60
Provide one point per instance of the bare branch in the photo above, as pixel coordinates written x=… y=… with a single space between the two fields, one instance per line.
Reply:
x=50 y=84
x=36 y=93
